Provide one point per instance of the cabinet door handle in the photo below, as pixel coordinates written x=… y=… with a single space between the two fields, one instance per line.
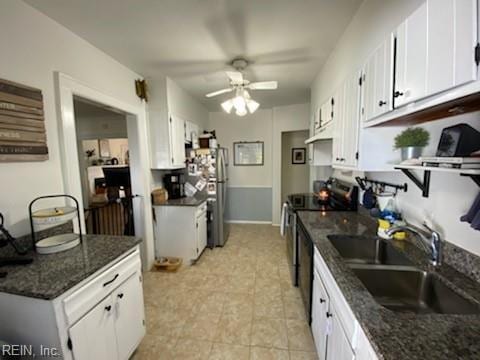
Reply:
x=322 y=301
x=381 y=103
x=120 y=296
x=108 y=307
x=111 y=281
x=329 y=314
x=398 y=93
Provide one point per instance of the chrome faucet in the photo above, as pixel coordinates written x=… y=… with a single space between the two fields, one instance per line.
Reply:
x=433 y=245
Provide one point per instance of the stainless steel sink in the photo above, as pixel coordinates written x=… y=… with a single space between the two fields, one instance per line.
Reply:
x=367 y=250
x=412 y=290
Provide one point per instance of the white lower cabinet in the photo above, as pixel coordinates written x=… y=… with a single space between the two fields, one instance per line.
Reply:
x=339 y=347
x=201 y=233
x=320 y=307
x=114 y=327
x=102 y=317
x=335 y=330
x=129 y=326
x=180 y=231
x=94 y=335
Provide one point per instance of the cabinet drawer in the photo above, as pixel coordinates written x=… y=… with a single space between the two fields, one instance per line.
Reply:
x=85 y=298
x=345 y=314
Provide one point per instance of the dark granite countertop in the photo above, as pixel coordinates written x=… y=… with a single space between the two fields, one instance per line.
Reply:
x=185 y=201
x=396 y=335
x=49 y=276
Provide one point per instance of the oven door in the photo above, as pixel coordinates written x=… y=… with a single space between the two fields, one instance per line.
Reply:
x=305 y=269
x=292 y=247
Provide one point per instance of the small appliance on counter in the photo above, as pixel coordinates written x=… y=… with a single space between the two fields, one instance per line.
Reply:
x=175 y=185
x=7 y=239
x=46 y=218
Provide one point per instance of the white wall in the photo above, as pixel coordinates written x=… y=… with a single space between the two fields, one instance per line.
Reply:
x=182 y=104
x=38 y=46
x=264 y=125
x=255 y=127
x=450 y=195
x=101 y=127
x=295 y=177
x=285 y=118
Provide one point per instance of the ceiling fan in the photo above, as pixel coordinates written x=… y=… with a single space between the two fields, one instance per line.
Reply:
x=242 y=100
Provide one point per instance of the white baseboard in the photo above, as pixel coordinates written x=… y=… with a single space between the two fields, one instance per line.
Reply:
x=248 y=222
x=277 y=225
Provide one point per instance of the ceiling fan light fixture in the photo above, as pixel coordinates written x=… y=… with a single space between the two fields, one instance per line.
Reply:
x=252 y=106
x=241 y=112
x=239 y=102
x=227 y=106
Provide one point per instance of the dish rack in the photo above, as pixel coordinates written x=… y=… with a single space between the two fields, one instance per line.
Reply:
x=46 y=218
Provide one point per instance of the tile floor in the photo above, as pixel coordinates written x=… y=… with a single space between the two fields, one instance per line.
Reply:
x=236 y=303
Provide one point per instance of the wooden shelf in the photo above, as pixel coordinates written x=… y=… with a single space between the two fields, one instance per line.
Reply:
x=439 y=169
x=424 y=185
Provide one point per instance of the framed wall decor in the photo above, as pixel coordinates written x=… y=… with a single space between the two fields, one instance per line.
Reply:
x=22 y=123
x=299 y=156
x=104 y=146
x=248 y=153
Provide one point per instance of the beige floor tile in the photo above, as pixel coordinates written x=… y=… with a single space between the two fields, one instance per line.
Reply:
x=303 y=355
x=229 y=352
x=268 y=306
x=165 y=322
x=259 y=353
x=234 y=329
x=241 y=293
x=244 y=283
x=269 y=333
x=201 y=326
x=187 y=349
x=294 y=309
x=210 y=301
x=299 y=335
x=155 y=348
x=238 y=304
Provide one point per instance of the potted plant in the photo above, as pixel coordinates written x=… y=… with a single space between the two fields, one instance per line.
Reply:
x=411 y=142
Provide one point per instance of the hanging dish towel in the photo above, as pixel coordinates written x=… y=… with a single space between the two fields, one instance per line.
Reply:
x=473 y=215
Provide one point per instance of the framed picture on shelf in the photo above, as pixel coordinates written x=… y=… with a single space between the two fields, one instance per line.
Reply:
x=298 y=156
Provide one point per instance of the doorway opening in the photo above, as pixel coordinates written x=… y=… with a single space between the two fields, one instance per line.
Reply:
x=295 y=167
x=104 y=163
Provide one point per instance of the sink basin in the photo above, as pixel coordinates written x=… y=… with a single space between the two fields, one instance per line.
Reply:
x=367 y=250
x=412 y=290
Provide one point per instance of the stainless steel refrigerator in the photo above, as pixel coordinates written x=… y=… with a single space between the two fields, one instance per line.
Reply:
x=212 y=165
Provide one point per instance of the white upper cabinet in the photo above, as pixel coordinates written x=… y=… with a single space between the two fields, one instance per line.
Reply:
x=451 y=30
x=378 y=81
x=411 y=58
x=177 y=142
x=346 y=123
x=338 y=127
x=435 y=49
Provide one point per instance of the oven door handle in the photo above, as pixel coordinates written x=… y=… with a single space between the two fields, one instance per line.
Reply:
x=284 y=219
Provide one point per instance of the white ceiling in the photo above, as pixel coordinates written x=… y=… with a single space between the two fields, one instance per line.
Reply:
x=192 y=41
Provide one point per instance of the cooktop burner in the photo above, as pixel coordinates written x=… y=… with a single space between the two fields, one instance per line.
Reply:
x=339 y=197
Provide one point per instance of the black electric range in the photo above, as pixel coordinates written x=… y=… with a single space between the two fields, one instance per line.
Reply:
x=337 y=196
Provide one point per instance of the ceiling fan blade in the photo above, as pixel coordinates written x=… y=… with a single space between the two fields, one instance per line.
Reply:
x=263 y=85
x=235 y=77
x=218 y=92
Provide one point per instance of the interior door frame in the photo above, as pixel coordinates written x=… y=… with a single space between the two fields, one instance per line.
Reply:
x=68 y=87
